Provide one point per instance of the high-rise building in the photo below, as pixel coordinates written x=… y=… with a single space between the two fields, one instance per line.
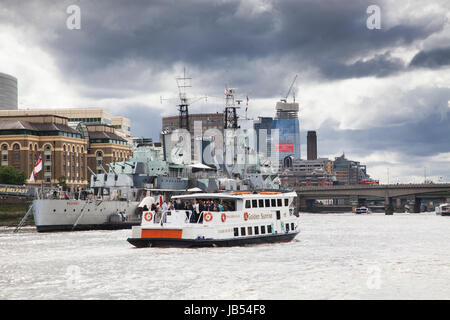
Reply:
x=311 y=142
x=288 y=126
x=8 y=92
x=287 y=142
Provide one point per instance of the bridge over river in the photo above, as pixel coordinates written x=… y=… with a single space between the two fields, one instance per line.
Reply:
x=393 y=194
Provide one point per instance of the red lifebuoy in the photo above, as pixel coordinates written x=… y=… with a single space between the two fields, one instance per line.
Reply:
x=207 y=216
x=245 y=216
x=148 y=216
x=224 y=217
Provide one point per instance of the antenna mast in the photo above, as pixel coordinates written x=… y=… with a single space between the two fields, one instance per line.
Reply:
x=183 y=107
x=231 y=118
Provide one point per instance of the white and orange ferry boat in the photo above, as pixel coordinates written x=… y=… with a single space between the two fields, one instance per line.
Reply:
x=246 y=218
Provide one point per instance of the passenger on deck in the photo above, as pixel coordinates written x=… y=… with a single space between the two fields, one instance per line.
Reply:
x=220 y=205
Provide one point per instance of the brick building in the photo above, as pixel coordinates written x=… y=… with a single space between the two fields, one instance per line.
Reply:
x=66 y=151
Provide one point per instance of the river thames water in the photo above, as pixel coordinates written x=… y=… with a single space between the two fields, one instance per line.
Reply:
x=336 y=256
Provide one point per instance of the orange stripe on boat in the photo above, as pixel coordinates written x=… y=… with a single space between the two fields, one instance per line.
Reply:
x=161 y=233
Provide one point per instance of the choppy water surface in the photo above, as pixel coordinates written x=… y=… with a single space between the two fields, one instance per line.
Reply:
x=336 y=256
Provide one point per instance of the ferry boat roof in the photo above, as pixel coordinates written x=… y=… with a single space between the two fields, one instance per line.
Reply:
x=236 y=195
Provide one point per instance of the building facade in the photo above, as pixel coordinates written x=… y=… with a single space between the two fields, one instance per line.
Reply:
x=67 y=152
x=203 y=121
x=85 y=115
x=349 y=171
x=63 y=149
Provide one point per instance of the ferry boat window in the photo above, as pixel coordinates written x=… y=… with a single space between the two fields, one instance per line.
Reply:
x=269 y=229
x=267 y=203
x=256 y=230
x=243 y=231
x=286 y=202
x=247 y=203
x=236 y=232
x=292 y=226
x=254 y=203
x=261 y=203
x=250 y=231
x=274 y=203
x=279 y=203
x=287 y=226
x=263 y=229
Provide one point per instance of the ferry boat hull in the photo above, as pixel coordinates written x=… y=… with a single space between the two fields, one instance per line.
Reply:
x=196 y=243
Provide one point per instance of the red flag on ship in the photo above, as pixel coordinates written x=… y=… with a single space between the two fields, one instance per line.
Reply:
x=160 y=201
x=36 y=169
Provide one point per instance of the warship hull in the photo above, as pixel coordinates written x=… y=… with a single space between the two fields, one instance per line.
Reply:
x=71 y=215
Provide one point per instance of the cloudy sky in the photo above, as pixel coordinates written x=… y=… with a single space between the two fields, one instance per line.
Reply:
x=379 y=95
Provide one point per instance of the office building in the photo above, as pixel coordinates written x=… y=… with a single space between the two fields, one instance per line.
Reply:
x=8 y=92
x=311 y=145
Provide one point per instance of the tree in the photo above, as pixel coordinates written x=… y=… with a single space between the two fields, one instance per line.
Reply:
x=10 y=175
x=62 y=182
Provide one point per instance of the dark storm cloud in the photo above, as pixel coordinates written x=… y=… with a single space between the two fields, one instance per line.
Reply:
x=432 y=58
x=426 y=136
x=228 y=38
x=381 y=65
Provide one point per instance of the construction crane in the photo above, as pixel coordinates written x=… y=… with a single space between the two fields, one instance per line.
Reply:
x=289 y=91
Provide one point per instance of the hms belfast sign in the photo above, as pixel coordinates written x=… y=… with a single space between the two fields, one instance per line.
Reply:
x=12 y=190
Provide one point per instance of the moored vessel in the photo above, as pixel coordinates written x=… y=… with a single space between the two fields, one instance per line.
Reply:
x=443 y=209
x=241 y=218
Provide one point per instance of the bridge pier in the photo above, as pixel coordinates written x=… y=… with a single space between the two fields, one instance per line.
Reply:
x=388 y=207
x=398 y=205
x=354 y=201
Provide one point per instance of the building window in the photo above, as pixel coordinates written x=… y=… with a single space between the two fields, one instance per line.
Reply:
x=4 y=147
x=16 y=146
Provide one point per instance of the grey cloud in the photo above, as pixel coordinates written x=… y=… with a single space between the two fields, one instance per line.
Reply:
x=212 y=36
x=432 y=59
